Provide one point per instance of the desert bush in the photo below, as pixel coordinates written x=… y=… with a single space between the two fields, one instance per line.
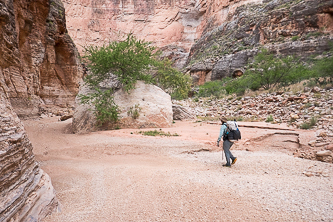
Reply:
x=213 y=88
x=269 y=118
x=309 y=124
x=270 y=71
x=157 y=133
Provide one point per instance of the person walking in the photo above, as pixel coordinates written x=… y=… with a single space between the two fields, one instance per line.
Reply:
x=226 y=143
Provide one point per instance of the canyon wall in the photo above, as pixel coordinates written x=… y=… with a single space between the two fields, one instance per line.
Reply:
x=39 y=69
x=39 y=63
x=284 y=27
x=173 y=25
x=26 y=192
x=212 y=38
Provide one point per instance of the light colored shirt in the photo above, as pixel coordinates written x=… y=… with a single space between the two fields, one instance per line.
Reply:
x=223 y=131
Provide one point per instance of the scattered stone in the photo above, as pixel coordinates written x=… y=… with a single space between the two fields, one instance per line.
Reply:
x=65 y=117
x=308 y=174
x=330 y=147
x=315 y=89
x=324 y=153
x=312 y=143
x=321 y=144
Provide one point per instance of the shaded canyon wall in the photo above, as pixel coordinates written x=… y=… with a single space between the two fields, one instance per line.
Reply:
x=39 y=67
x=39 y=62
x=26 y=192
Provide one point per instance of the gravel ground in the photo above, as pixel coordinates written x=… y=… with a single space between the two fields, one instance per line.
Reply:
x=118 y=176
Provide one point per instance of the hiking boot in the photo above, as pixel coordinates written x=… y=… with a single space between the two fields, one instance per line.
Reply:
x=234 y=161
x=226 y=165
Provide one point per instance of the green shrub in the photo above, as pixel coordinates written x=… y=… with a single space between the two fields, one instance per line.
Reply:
x=269 y=118
x=157 y=133
x=134 y=112
x=213 y=88
x=305 y=126
x=310 y=124
x=270 y=71
x=294 y=38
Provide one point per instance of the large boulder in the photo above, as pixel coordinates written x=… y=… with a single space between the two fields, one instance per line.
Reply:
x=143 y=107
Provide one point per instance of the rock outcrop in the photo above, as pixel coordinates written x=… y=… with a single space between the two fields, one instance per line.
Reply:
x=181 y=113
x=222 y=36
x=144 y=107
x=26 y=192
x=172 y=25
x=39 y=63
x=285 y=27
x=39 y=68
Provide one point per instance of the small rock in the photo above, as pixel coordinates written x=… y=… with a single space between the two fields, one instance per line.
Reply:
x=315 y=89
x=322 y=134
x=312 y=143
x=308 y=174
x=323 y=153
x=330 y=147
x=65 y=117
x=321 y=144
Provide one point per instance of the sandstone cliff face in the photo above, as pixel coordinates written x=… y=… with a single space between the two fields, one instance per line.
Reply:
x=26 y=192
x=172 y=25
x=222 y=36
x=286 y=27
x=39 y=66
x=38 y=60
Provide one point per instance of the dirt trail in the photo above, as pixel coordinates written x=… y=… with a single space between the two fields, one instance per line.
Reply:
x=119 y=176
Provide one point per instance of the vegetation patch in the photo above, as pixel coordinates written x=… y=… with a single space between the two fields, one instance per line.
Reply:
x=157 y=133
x=269 y=118
x=309 y=124
x=269 y=71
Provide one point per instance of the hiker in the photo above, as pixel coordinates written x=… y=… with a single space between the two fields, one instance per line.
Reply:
x=226 y=143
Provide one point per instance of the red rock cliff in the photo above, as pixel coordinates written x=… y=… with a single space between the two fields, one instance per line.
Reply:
x=39 y=66
x=173 y=24
x=38 y=60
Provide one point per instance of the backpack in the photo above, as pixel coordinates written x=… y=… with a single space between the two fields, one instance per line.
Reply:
x=233 y=133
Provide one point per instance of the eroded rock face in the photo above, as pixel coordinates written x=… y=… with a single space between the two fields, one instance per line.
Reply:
x=181 y=112
x=26 y=192
x=213 y=38
x=284 y=27
x=38 y=60
x=173 y=25
x=144 y=107
x=39 y=67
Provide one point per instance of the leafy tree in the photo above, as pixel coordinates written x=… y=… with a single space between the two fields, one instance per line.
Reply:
x=130 y=60
x=323 y=68
x=172 y=80
x=213 y=88
x=270 y=71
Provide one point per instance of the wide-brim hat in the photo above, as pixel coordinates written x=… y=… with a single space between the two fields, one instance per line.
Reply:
x=223 y=119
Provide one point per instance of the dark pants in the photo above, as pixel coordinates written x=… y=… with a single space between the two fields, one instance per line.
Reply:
x=226 y=148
